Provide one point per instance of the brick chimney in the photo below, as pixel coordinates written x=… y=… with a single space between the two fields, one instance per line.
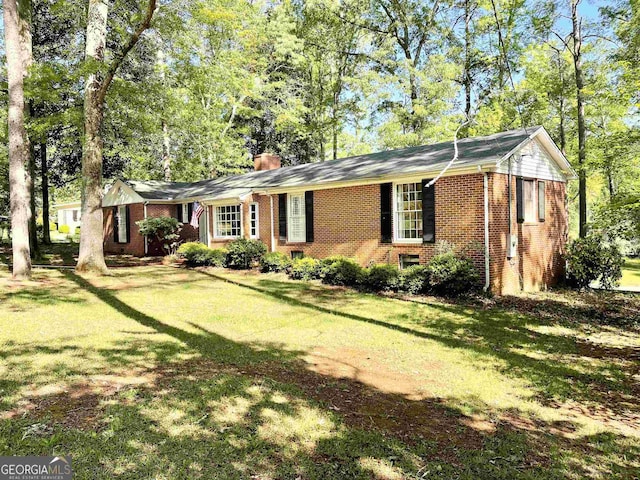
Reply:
x=266 y=161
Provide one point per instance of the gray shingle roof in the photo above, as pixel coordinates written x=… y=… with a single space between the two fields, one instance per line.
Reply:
x=407 y=161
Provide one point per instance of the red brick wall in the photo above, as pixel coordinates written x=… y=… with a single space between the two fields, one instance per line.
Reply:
x=539 y=262
x=347 y=222
x=136 y=246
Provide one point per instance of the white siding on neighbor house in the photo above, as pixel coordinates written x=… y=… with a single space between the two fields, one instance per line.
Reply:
x=533 y=161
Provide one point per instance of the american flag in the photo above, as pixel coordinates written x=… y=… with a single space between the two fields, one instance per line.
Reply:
x=198 y=210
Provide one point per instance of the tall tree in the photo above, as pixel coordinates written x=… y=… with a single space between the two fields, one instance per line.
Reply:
x=14 y=25
x=576 y=52
x=91 y=256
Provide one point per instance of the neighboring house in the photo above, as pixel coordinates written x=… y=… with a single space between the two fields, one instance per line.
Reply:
x=380 y=207
x=68 y=214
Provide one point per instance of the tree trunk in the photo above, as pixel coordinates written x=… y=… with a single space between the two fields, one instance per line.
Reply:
x=18 y=142
x=46 y=233
x=166 y=151
x=561 y=101
x=563 y=134
x=582 y=151
x=166 y=139
x=25 y=14
x=610 y=183
x=466 y=79
x=31 y=186
x=91 y=256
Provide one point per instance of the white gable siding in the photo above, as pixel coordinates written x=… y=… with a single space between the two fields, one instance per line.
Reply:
x=120 y=194
x=533 y=161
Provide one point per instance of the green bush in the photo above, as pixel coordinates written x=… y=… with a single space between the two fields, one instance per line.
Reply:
x=378 y=278
x=166 y=230
x=275 y=262
x=305 y=268
x=63 y=229
x=341 y=271
x=452 y=274
x=414 y=279
x=52 y=227
x=77 y=231
x=244 y=253
x=198 y=254
x=590 y=259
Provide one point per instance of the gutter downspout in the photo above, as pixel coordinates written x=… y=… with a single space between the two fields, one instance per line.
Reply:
x=273 y=237
x=487 y=270
x=146 y=239
x=509 y=177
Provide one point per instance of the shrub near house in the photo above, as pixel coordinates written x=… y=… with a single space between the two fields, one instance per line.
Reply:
x=592 y=259
x=165 y=230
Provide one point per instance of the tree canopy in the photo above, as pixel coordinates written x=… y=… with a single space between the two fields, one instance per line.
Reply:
x=213 y=82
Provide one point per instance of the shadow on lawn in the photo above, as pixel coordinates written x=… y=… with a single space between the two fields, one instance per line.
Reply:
x=505 y=335
x=240 y=411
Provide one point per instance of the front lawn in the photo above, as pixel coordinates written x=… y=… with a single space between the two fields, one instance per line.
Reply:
x=160 y=372
x=631 y=273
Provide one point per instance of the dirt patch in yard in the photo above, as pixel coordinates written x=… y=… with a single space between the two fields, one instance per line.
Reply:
x=80 y=404
x=394 y=404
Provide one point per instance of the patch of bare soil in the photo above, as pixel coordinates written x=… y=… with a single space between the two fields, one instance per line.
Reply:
x=80 y=404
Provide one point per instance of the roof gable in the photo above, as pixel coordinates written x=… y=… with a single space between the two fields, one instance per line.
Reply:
x=120 y=194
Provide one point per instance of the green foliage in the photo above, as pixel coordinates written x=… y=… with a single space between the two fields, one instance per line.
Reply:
x=305 y=268
x=244 y=253
x=338 y=270
x=52 y=227
x=77 y=231
x=592 y=259
x=166 y=230
x=198 y=254
x=382 y=277
x=414 y=280
x=275 y=262
x=452 y=274
x=64 y=229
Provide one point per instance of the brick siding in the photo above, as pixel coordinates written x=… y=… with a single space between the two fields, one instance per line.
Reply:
x=347 y=222
x=539 y=263
x=136 y=245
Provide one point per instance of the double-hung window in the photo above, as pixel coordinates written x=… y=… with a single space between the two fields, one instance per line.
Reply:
x=185 y=213
x=529 y=201
x=123 y=224
x=228 y=221
x=253 y=220
x=408 y=212
x=296 y=218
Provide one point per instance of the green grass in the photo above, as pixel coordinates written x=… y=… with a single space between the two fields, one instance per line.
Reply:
x=159 y=372
x=631 y=273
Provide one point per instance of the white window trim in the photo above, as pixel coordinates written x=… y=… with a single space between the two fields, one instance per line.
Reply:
x=185 y=213
x=303 y=239
x=394 y=217
x=215 y=222
x=257 y=234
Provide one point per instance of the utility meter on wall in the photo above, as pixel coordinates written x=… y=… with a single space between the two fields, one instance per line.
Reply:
x=512 y=247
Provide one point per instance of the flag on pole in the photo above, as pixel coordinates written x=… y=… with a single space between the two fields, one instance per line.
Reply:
x=198 y=210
